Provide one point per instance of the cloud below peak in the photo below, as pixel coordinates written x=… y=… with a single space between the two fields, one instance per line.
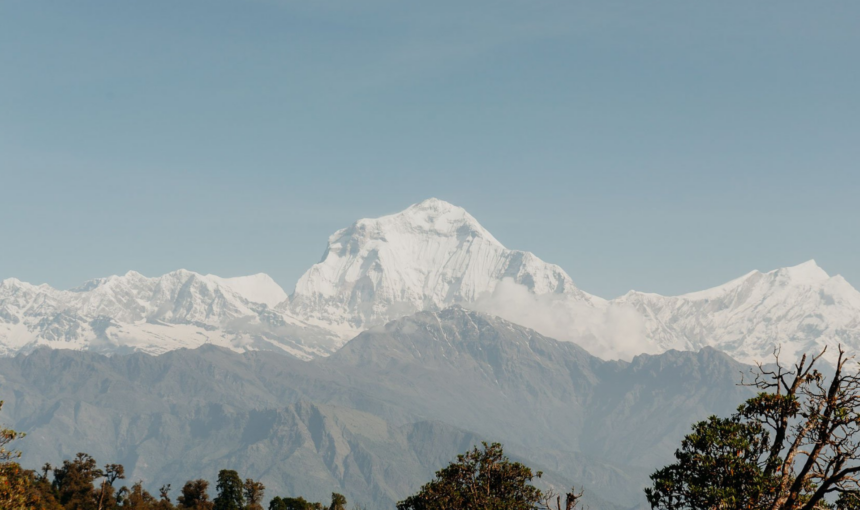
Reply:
x=611 y=331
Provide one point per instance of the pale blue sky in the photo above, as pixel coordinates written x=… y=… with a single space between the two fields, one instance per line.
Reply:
x=664 y=146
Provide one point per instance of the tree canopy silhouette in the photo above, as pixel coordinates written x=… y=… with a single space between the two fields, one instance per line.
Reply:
x=484 y=479
x=787 y=448
x=231 y=491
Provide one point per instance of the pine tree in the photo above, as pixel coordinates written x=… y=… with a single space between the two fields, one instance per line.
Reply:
x=230 y=491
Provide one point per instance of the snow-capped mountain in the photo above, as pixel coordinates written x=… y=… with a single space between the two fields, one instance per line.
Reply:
x=800 y=308
x=154 y=315
x=430 y=256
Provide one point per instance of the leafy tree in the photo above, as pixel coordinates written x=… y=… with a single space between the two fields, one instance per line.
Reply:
x=484 y=479
x=338 y=502
x=42 y=493
x=787 y=448
x=23 y=489
x=6 y=437
x=136 y=498
x=195 y=496
x=230 y=491
x=718 y=467
x=111 y=474
x=848 y=501
x=163 y=502
x=14 y=485
x=254 y=492
x=73 y=483
x=293 y=504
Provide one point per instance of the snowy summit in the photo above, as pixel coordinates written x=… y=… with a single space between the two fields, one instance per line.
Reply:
x=429 y=256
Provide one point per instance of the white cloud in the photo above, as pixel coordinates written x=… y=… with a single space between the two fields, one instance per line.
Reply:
x=610 y=331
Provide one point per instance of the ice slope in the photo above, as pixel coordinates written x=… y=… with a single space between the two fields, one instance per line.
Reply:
x=258 y=288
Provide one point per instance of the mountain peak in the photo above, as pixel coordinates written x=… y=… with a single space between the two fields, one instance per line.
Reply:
x=800 y=308
x=429 y=256
x=16 y=285
x=434 y=203
x=182 y=274
x=431 y=216
x=806 y=273
x=435 y=207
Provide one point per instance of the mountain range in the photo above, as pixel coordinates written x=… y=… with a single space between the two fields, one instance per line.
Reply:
x=428 y=257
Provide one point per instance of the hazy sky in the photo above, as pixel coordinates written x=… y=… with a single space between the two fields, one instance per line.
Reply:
x=662 y=146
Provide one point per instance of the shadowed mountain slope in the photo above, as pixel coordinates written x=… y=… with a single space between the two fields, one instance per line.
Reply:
x=375 y=419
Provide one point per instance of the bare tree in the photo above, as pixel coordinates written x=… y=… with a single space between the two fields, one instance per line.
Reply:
x=112 y=473
x=794 y=446
x=815 y=426
x=254 y=493
x=571 y=500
